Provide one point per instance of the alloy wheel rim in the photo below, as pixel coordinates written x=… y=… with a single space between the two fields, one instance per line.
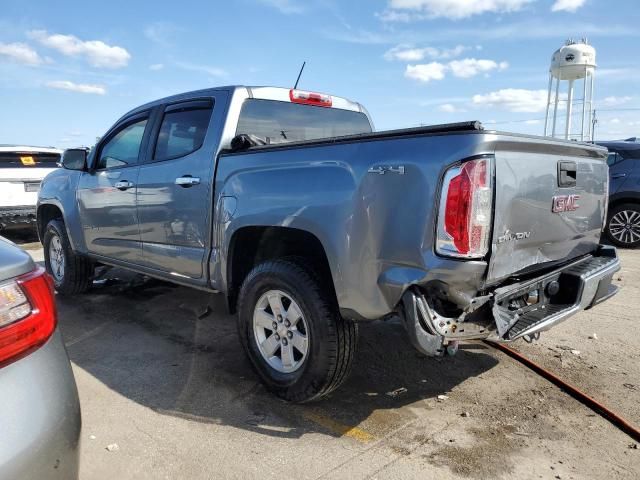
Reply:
x=280 y=331
x=56 y=258
x=625 y=226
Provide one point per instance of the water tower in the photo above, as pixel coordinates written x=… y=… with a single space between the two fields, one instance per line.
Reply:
x=572 y=62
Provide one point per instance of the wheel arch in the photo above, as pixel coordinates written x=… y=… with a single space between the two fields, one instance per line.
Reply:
x=623 y=197
x=45 y=213
x=251 y=245
x=51 y=209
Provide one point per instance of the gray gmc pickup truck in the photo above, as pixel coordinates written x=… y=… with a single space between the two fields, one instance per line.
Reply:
x=308 y=221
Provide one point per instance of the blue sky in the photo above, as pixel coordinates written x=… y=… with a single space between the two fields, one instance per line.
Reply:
x=69 y=69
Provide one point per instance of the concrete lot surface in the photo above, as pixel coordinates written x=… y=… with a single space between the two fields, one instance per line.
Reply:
x=161 y=373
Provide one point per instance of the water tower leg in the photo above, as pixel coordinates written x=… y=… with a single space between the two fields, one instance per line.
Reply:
x=584 y=105
x=555 y=108
x=567 y=126
x=591 y=111
x=546 y=117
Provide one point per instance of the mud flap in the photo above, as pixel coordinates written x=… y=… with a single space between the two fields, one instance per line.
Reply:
x=425 y=342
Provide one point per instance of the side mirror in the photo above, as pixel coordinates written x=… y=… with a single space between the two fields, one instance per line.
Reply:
x=74 y=159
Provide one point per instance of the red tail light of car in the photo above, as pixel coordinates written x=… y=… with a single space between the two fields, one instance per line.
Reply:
x=27 y=314
x=466 y=206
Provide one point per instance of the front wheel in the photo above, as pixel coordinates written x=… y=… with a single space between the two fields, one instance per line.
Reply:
x=623 y=227
x=71 y=273
x=298 y=343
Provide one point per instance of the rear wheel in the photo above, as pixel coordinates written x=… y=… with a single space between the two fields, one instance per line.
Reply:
x=71 y=273
x=623 y=227
x=290 y=326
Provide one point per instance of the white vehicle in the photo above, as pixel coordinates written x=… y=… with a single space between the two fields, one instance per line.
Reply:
x=21 y=171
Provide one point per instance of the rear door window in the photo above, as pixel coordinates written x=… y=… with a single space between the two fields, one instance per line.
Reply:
x=182 y=130
x=613 y=158
x=290 y=122
x=621 y=155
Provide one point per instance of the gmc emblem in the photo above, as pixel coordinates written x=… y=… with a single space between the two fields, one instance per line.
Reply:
x=565 y=203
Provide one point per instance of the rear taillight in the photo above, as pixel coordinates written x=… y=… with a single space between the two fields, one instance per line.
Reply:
x=464 y=220
x=27 y=314
x=310 y=98
x=605 y=201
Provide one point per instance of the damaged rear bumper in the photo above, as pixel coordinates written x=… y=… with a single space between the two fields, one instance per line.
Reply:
x=521 y=309
x=581 y=285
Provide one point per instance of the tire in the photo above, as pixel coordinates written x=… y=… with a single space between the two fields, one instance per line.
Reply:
x=330 y=339
x=623 y=225
x=76 y=273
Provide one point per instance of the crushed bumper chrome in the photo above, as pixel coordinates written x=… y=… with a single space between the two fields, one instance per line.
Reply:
x=580 y=285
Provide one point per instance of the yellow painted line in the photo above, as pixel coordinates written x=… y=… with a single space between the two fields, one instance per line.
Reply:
x=339 y=428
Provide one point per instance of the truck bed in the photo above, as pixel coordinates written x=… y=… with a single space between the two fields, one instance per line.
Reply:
x=383 y=221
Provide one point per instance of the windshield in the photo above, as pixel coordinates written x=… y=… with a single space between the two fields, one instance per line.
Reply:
x=291 y=122
x=28 y=160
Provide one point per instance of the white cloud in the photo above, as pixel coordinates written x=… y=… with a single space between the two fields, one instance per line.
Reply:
x=193 y=67
x=567 y=5
x=465 y=68
x=161 y=33
x=156 y=66
x=613 y=101
x=513 y=100
x=450 y=108
x=20 y=53
x=470 y=67
x=358 y=36
x=287 y=7
x=532 y=122
x=614 y=121
x=426 y=72
x=407 y=53
x=96 y=52
x=77 y=87
x=406 y=10
x=391 y=16
x=531 y=27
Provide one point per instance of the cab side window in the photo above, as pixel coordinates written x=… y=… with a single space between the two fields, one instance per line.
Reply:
x=123 y=149
x=182 y=131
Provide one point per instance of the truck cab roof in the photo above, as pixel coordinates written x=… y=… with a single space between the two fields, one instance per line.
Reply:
x=621 y=145
x=243 y=92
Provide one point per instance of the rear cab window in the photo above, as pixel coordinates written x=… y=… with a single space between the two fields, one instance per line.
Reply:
x=278 y=121
x=29 y=160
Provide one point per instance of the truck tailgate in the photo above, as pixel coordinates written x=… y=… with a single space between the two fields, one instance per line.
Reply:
x=528 y=234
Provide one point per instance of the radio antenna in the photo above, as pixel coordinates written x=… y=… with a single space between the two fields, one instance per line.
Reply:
x=299 y=74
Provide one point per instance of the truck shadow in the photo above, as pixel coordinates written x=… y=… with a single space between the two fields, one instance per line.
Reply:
x=176 y=351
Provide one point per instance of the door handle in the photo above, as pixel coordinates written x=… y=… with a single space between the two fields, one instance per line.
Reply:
x=187 y=181
x=567 y=174
x=123 y=185
x=618 y=175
